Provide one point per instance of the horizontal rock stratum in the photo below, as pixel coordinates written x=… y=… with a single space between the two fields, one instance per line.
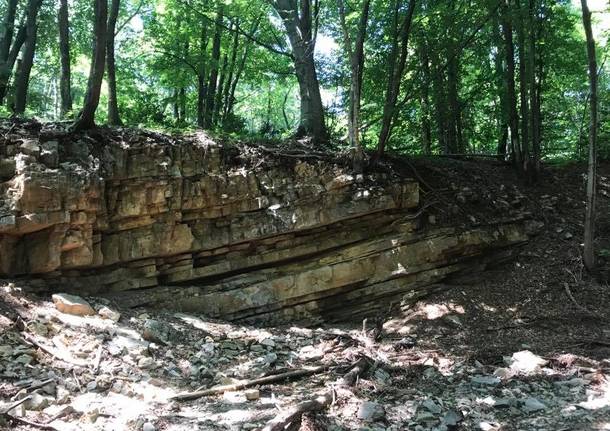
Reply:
x=229 y=231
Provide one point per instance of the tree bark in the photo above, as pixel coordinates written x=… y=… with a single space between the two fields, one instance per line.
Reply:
x=396 y=64
x=356 y=57
x=297 y=19
x=523 y=86
x=426 y=128
x=533 y=90
x=589 y=248
x=511 y=98
x=7 y=68
x=213 y=79
x=114 y=118
x=228 y=81
x=6 y=38
x=220 y=90
x=86 y=119
x=64 y=56
x=23 y=79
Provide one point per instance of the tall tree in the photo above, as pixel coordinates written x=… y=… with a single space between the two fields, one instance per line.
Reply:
x=114 y=118
x=22 y=80
x=86 y=119
x=397 y=58
x=355 y=52
x=298 y=18
x=64 y=57
x=6 y=39
x=509 y=77
x=213 y=79
x=589 y=249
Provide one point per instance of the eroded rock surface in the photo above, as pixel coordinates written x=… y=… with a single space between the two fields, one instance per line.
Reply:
x=190 y=224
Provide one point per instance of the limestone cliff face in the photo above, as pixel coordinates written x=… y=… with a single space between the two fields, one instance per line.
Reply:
x=188 y=224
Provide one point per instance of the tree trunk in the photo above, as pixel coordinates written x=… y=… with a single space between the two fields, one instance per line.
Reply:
x=6 y=38
x=64 y=56
x=533 y=90
x=220 y=90
x=23 y=79
x=229 y=80
x=511 y=98
x=523 y=87
x=589 y=248
x=500 y=80
x=426 y=128
x=396 y=64
x=453 y=135
x=86 y=119
x=6 y=68
x=356 y=57
x=213 y=80
x=302 y=41
x=114 y=118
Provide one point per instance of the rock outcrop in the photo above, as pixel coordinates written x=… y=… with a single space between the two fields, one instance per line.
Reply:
x=190 y=224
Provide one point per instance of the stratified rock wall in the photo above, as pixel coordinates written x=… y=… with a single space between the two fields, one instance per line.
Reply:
x=188 y=224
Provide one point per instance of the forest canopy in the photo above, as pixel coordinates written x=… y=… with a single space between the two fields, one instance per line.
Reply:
x=417 y=77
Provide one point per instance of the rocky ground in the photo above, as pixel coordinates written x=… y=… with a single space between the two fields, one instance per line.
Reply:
x=525 y=346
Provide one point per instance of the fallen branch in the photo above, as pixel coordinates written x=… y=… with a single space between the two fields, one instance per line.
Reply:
x=56 y=353
x=350 y=378
x=577 y=305
x=5 y=409
x=283 y=420
x=186 y=396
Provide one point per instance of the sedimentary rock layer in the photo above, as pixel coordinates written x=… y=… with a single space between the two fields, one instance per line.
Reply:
x=189 y=224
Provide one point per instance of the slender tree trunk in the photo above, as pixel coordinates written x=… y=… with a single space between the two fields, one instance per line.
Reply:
x=182 y=104
x=229 y=80
x=589 y=247
x=64 y=57
x=426 y=128
x=86 y=119
x=242 y=63
x=23 y=79
x=213 y=80
x=396 y=63
x=356 y=58
x=500 y=80
x=220 y=90
x=176 y=106
x=511 y=98
x=523 y=86
x=114 y=118
x=533 y=90
x=298 y=24
x=453 y=138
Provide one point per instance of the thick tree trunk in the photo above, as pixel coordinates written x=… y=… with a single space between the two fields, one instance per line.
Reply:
x=64 y=56
x=86 y=119
x=6 y=38
x=23 y=79
x=396 y=64
x=114 y=118
x=511 y=98
x=7 y=67
x=589 y=248
x=213 y=80
x=302 y=41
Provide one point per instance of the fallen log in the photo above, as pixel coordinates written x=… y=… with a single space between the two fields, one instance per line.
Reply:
x=187 y=396
x=292 y=415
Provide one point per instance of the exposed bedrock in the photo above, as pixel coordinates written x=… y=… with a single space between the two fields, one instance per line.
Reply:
x=188 y=224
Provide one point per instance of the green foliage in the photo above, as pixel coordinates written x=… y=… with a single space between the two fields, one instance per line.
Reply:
x=160 y=58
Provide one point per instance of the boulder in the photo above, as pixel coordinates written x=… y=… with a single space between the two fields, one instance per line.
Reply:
x=72 y=304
